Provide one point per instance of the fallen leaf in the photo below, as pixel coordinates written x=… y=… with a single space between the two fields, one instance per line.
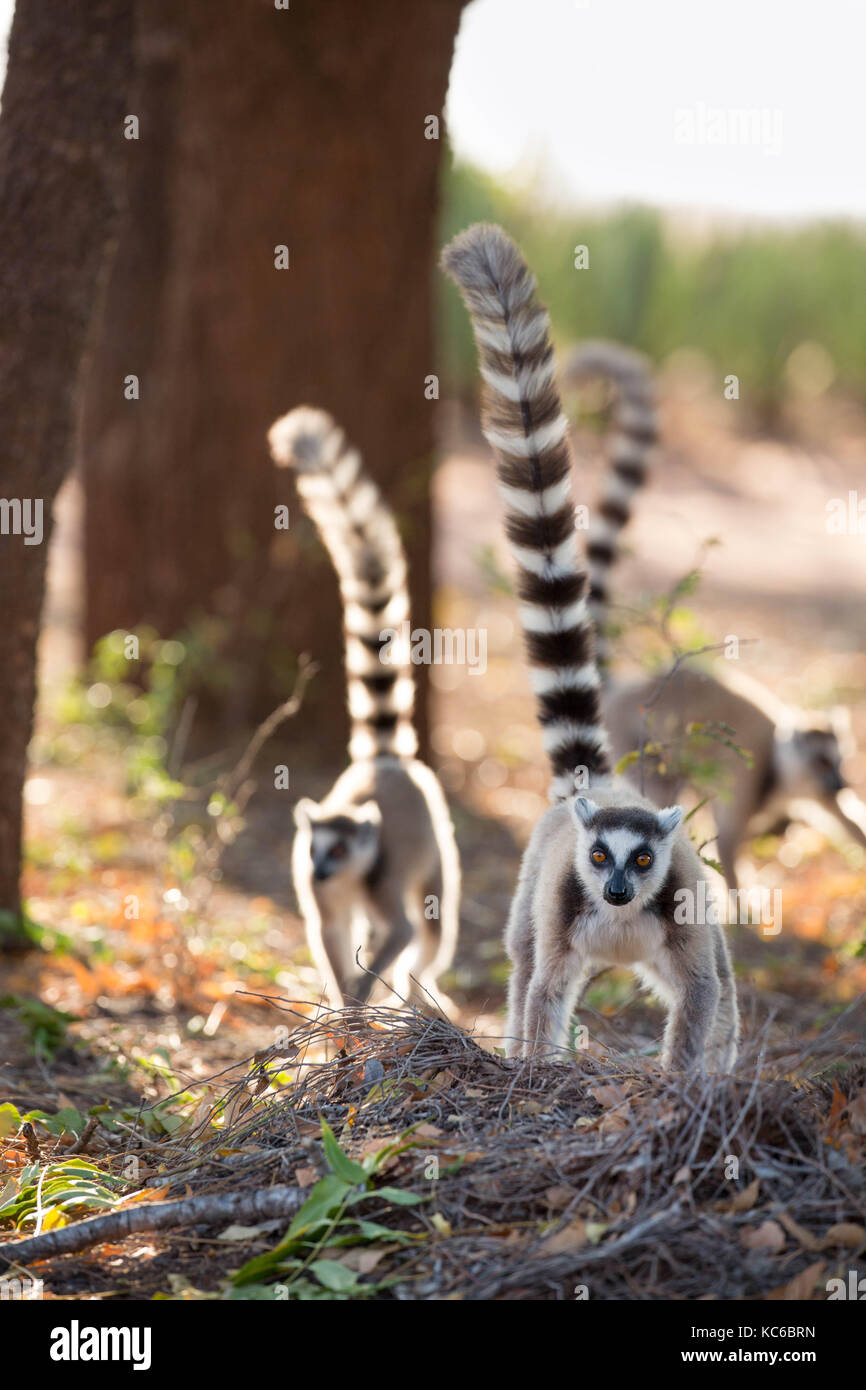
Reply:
x=799 y=1289
x=202 y=1112
x=147 y=1194
x=608 y=1095
x=806 y=1239
x=613 y=1120
x=745 y=1200
x=768 y=1236
x=240 y=1232
x=837 y=1108
x=305 y=1177
x=558 y=1197
x=683 y=1174
x=427 y=1131
x=571 y=1237
x=441 y=1224
x=362 y=1259
x=845 y=1233
x=857 y=1111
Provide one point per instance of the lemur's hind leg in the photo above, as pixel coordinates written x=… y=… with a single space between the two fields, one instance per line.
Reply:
x=723 y=1043
x=437 y=937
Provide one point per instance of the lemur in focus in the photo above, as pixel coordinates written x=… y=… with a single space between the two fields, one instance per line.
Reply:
x=375 y=863
x=797 y=754
x=605 y=871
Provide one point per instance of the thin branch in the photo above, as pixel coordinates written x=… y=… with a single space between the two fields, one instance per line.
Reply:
x=242 y=1207
x=287 y=710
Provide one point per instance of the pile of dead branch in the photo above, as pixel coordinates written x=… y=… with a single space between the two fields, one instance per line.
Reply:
x=600 y=1178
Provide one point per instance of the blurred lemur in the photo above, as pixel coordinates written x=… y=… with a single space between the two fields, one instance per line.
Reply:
x=796 y=754
x=607 y=878
x=374 y=863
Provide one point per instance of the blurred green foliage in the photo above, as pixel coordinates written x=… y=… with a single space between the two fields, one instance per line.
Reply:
x=744 y=298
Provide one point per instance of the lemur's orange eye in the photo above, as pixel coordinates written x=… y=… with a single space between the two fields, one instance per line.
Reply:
x=643 y=861
x=598 y=856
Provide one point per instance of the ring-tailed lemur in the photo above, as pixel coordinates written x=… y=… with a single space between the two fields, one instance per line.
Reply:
x=607 y=878
x=629 y=446
x=796 y=755
x=377 y=856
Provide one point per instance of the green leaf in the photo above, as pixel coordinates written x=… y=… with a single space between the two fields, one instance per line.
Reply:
x=272 y=1262
x=394 y=1195
x=626 y=761
x=371 y=1230
x=334 y=1276
x=10 y=1120
x=339 y=1162
x=325 y=1197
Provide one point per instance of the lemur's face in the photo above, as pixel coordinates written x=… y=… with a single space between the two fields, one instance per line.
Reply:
x=341 y=846
x=814 y=767
x=623 y=853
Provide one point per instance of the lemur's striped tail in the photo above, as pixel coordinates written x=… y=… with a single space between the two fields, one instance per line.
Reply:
x=522 y=419
x=632 y=438
x=362 y=540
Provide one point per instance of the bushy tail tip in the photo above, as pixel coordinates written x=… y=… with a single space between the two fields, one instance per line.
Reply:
x=482 y=259
x=305 y=439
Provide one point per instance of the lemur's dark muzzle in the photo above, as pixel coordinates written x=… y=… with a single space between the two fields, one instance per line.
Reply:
x=616 y=890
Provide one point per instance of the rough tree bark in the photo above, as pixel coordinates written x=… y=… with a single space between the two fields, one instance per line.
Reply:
x=261 y=127
x=61 y=158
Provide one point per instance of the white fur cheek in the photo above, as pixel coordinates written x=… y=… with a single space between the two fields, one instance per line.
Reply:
x=590 y=879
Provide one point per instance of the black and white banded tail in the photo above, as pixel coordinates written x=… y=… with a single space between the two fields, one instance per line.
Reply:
x=631 y=440
x=522 y=419
x=362 y=540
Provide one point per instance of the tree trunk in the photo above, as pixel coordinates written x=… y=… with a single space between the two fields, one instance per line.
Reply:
x=61 y=159
x=265 y=127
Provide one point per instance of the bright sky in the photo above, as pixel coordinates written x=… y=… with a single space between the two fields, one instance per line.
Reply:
x=638 y=99
x=603 y=96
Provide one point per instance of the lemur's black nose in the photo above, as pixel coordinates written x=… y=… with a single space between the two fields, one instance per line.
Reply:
x=617 y=892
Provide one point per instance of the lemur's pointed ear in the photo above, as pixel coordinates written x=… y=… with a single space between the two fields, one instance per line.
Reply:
x=584 y=810
x=670 y=818
x=305 y=812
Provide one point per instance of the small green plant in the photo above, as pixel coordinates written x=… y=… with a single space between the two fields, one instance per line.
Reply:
x=46 y=1027
x=329 y=1220
x=46 y=1192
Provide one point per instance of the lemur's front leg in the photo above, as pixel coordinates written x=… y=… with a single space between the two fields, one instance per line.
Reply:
x=692 y=989
x=520 y=944
x=329 y=937
x=553 y=992
x=390 y=909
